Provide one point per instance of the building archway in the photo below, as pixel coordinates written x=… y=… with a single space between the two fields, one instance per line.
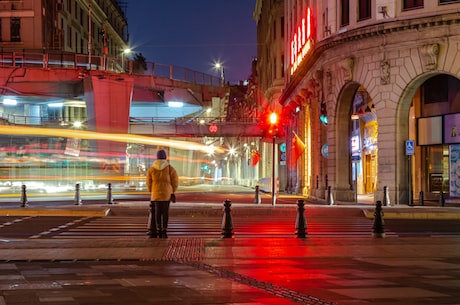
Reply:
x=357 y=153
x=428 y=105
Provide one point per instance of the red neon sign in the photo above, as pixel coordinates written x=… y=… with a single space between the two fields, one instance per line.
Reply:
x=302 y=40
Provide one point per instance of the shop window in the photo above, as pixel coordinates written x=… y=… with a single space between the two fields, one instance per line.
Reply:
x=15 y=29
x=364 y=11
x=345 y=13
x=412 y=4
x=437 y=168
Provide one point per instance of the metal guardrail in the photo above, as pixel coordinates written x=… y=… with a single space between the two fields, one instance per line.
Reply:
x=112 y=64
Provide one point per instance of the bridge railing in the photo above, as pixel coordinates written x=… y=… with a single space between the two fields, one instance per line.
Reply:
x=113 y=64
x=192 y=120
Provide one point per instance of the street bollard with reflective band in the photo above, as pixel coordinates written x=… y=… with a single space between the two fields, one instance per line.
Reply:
x=257 y=196
x=301 y=222
x=77 y=194
x=378 y=226
x=109 y=194
x=330 y=198
x=227 y=223
x=24 y=201
x=386 y=197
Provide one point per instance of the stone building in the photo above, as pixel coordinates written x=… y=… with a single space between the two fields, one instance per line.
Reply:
x=97 y=27
x=383 y=76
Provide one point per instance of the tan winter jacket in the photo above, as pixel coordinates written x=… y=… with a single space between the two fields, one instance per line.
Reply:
x=162 y=181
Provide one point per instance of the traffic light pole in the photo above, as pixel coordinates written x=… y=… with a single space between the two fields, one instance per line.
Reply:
x=273 y=172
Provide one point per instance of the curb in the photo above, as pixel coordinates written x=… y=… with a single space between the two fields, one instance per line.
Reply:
x=414 y=215
x=54 y=212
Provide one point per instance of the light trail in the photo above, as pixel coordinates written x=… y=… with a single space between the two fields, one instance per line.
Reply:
x=114 y=137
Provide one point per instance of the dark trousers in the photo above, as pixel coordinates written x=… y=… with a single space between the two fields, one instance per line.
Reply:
x=162 y=214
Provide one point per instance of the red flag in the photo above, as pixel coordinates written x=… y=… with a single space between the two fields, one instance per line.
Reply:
x=255 y=158
x=298 y=148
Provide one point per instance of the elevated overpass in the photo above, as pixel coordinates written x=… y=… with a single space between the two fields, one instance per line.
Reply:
x=118 y=100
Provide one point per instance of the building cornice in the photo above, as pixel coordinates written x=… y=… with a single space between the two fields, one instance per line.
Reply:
x=380 y=29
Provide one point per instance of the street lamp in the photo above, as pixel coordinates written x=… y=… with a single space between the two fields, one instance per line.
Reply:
x=125 y=52
x=219 y=66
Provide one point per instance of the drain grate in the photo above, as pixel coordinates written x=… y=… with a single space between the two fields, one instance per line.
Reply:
x=184 y=250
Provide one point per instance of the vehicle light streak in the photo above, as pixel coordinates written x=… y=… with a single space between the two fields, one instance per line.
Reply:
x=115 y=137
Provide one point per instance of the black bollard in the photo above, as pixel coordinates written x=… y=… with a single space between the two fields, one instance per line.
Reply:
x=421 y=199
x=24 y=201
x=301 y=222
x=378 y=227
x=227 y=223
x=77 y=194
x=441 y=199
x=257 y=196
x=109 y=194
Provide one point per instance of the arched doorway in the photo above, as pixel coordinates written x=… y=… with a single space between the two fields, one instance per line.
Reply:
x=434 y=122
x=357 y=150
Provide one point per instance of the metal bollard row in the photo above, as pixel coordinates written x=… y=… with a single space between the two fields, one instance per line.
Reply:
x=378 y=226
x=257 y=198
x=227 y=222
x=330 y=198
x=109 y=194
x=386 y=196
x=301 y=222
x=24 y=201
x=77 y=198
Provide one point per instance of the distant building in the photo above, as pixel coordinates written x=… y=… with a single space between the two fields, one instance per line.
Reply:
x=96 y=27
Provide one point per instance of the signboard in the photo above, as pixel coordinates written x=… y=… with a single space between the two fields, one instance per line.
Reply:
x=302 y=40
x=213 y=128
x=454 y=170
x=429 y=130
x=325 y=151
x=410 y=149
x=452 y=128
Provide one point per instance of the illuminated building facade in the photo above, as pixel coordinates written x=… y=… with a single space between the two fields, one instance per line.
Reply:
x=96 y=27
x=377 y=86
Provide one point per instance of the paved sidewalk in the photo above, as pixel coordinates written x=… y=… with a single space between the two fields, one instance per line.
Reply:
x=245 y=271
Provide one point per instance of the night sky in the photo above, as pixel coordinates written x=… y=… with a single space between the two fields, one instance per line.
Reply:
x=195 y=34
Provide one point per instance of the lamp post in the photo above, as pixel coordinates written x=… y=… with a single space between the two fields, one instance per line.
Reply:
x=125 y=52
x=220 y=67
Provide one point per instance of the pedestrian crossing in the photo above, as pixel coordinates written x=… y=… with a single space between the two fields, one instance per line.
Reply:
x=187 y=226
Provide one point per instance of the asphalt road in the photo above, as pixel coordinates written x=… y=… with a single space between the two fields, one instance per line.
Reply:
x=253 y=221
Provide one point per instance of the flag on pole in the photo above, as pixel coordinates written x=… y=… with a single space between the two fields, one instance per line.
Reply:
x=255 y=158
x=297 y=149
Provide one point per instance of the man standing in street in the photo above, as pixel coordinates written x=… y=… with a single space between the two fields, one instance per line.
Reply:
x=162 y=182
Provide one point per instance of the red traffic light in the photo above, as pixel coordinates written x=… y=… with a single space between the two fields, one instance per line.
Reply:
x=273 y=118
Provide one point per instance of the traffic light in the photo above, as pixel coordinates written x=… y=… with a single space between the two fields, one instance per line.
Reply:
x=323 y=114
x=273 y=121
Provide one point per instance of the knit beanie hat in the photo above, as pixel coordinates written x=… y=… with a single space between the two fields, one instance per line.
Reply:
x=161 y=154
